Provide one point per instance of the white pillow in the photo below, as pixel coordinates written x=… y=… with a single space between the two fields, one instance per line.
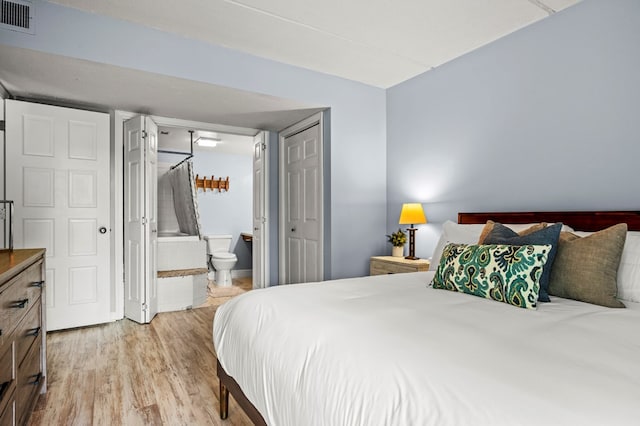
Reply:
x=454 y=233
x=468 y=234
x=629 y=270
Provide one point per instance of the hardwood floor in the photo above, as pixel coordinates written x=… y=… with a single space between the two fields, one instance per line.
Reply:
x=124 y=373
x=219 y=295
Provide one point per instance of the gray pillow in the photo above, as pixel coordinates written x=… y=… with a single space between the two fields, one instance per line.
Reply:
x=500 y=234
x=586 y=269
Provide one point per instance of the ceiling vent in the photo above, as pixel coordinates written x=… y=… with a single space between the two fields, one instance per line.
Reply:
x=17 y=15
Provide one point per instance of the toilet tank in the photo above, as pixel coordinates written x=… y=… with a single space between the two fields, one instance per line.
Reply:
x=218 y=243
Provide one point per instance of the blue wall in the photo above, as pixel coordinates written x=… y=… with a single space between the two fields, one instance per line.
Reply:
x=358 y=113
x=547 y=118
x=227 y=212
x=543 y=119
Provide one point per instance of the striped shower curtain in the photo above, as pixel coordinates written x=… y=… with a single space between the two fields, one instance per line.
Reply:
x=185 y=198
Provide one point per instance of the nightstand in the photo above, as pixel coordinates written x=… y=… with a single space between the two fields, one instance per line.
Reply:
x=381 y=265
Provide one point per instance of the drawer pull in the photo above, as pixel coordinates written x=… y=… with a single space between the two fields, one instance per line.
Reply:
x=36 y=380
x=38 y=284
x=21 y=304
x=34 y=332
x=0 y=332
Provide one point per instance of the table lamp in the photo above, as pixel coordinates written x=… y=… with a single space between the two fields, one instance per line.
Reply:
x=411 y=214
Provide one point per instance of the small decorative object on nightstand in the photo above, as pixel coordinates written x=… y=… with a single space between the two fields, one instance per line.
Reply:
x=381 y=265
x=397 y=240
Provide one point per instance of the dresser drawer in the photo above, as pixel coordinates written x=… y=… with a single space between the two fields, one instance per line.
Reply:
x=380 y=265
x=18 y=295
x=7 y=376
x=28 y=383
x=28 y=331
x=390 y=268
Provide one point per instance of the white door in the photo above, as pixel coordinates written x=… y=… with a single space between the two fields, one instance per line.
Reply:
x=259 y=241
x=57 y=172
x=301 y=154
x=140 y=219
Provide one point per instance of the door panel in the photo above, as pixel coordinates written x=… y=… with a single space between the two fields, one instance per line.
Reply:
x=134 y=271
x=303 y=201
x=259 y=242
x=140 y=235
x=151 y=209
x=58 y=175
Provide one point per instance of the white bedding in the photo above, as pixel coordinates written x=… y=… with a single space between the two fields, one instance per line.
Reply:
x=388 y=350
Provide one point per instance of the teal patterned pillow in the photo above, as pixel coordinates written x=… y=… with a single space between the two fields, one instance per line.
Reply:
x=509 y=274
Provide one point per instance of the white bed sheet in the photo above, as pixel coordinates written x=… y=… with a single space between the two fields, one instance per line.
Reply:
x=389 y=350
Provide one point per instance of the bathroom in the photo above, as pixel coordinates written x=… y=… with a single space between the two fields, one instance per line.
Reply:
x=221 y=209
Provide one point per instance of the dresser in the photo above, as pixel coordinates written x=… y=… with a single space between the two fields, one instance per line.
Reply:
x=380 y=265
x=22 y=334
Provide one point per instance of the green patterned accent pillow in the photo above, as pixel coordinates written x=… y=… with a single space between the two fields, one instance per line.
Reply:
x=509 y=274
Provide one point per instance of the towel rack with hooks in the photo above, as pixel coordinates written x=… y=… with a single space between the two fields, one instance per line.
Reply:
x=212 y=183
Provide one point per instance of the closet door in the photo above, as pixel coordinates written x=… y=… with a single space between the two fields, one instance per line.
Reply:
x=301 y=203
x=57 y=173
x=140 y=219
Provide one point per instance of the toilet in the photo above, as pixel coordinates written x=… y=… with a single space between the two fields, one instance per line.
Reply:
x=221 y=261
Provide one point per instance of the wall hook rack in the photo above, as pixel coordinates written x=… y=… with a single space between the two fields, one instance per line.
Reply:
x=212 y=183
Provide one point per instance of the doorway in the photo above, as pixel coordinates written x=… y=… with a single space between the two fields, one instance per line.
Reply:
x=184 y=125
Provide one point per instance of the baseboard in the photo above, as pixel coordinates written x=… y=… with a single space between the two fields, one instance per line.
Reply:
x=241 y=273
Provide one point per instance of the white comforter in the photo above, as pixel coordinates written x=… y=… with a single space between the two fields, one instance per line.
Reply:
x=389 y=350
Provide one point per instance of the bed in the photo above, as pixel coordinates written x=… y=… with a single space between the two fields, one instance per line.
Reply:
x=393 y=350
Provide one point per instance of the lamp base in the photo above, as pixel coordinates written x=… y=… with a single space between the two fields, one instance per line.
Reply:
x=412 y=244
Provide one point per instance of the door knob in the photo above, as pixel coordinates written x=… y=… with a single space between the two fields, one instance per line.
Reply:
x=293 y=229
x=102 y=230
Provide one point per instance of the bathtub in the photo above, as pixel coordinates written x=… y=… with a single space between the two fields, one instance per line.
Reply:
x=180 y=251
x=182 y=271
x=177 y=292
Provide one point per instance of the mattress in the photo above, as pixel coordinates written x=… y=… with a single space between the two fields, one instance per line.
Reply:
x=390 y=349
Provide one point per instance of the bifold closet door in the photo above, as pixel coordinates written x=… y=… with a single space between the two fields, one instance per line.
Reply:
x=140 y=219
x=57 y=173
x=259 y=242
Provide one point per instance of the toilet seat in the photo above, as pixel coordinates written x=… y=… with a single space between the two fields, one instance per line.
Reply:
x=220 y=255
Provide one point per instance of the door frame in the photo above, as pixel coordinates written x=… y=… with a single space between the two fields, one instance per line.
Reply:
x=117 y=189
x=317 y=118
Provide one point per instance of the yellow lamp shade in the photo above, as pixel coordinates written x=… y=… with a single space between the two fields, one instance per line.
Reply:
x=412 y=213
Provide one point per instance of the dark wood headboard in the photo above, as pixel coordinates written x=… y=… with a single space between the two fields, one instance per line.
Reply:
x=580 y=221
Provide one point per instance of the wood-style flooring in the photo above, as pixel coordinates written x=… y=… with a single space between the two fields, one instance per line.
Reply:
x=124 y=373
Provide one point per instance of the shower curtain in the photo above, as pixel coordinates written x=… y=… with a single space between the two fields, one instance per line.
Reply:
x=185 y=198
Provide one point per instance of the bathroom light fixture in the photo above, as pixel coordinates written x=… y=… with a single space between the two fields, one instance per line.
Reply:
x=411 y=214
x=207 y=142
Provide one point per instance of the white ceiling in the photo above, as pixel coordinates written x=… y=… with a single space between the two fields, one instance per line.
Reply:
x=178 y=139
x=377 y=42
